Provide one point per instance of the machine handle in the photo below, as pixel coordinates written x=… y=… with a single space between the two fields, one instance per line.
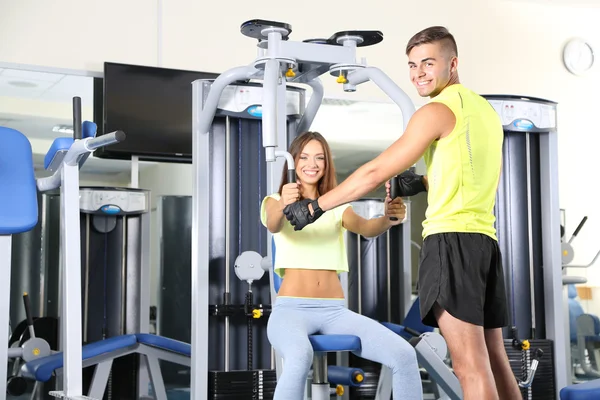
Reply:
x=28 y=316
x=412 y=331
x=291 y=175
x=77 y=118
x=105 y=140
x=27 y=304
x=394 y=192
x=580 y=226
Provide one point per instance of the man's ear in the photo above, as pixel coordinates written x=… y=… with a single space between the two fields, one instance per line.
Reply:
x=454 y=64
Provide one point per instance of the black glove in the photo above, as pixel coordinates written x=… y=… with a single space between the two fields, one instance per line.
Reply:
x=299 y=215
x=409 y=184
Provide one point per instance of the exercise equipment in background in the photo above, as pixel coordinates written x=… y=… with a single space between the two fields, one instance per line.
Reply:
x=64 y=159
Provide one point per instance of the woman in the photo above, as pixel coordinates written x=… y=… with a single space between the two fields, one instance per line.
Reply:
x=311 y=299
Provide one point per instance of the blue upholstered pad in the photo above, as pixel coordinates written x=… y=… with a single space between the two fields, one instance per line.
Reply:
x=18 y=192
x=164 y=343
x=328 y=343
x=344 y=375
x=582 y=391
x=58 y=145
x=412 y=321
x=88 y=129
x=43 y=368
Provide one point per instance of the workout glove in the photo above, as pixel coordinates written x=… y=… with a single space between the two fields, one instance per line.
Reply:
x=410 y=184
x=299 y=215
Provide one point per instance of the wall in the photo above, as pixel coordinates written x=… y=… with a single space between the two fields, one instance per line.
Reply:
x=505 y=47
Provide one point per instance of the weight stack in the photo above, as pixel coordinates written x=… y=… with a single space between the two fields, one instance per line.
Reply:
x=242 y=385
x=520 y=361
x=368 y=389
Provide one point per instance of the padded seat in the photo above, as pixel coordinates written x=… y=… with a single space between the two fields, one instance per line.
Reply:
x=412 y=321
x=582 y=391
x=331 y=343
x=41 y=369
x=18 y=192
x=164 y=343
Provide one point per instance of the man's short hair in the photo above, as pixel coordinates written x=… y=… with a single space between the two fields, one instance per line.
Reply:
x=433 y=34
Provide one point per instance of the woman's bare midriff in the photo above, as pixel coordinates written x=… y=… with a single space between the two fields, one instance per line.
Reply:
x=311 y=283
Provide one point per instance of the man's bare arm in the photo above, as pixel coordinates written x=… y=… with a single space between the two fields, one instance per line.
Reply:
x=429 y=123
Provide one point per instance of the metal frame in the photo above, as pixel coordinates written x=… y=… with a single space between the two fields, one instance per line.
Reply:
x=275 y=55
x=5 y=270
x=70 y=334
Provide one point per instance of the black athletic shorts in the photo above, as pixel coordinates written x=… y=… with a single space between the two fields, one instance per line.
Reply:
x=463 y=273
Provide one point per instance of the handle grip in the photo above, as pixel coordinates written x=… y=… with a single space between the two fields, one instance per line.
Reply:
x=580 y=226
x=77 y=118
x=291 y=175
x=394 y=192
x=105 y=140
x=27 y=309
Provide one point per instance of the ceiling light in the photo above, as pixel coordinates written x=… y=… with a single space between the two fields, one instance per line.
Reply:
x=63 y=129
x=22 y=84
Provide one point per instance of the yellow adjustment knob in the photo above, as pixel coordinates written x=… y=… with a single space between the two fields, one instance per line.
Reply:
x=525 y=345
x=565 y=252
x=36 y=352
x=256 y=313
x=341 y=79
x=359 y=378
x=339 y=390
x=290 y=73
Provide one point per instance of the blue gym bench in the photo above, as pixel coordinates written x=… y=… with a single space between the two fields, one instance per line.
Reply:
x=102 y=353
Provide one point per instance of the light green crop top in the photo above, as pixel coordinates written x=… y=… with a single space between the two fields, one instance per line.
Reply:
x=319 y=245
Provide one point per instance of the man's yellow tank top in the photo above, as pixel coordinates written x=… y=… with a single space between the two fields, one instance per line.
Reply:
x=463 y=168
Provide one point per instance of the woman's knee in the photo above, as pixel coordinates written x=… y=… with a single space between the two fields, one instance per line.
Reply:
x=402 y=354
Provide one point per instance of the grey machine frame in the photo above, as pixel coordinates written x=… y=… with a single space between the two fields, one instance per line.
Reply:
x=276 y=55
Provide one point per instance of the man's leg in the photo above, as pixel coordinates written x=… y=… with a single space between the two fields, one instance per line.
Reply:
x=506 y=383
x=496 y=317
x=469 y=354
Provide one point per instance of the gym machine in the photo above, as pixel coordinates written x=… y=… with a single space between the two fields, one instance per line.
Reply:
x=280 y=62
x=64 y=159
x=527 y=223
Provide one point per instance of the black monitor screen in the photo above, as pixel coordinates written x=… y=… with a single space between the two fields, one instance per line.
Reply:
x=153 y=106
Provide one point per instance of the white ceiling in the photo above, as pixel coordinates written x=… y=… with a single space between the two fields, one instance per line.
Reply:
x=35 y=102
x=45 y=86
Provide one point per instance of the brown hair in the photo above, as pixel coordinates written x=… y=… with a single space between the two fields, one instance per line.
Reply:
x=328 y=181
x=433 y=34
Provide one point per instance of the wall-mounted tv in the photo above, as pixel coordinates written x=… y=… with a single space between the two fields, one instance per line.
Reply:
x=153 y=106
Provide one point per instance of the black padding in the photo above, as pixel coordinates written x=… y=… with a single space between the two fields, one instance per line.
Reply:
x=254 y=27
x=369 y=37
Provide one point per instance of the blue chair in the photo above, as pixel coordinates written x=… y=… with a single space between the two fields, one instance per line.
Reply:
x=18 y=214
x=582 y=391
x=323 y=374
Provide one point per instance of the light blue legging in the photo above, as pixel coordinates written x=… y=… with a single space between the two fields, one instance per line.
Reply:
x=293 y=319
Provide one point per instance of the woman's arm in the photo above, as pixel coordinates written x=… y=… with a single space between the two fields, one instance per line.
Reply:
x=275 y=217
x=365 y=227
x=375 y=226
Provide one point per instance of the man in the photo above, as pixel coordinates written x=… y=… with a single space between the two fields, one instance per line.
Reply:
x=461 y=282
